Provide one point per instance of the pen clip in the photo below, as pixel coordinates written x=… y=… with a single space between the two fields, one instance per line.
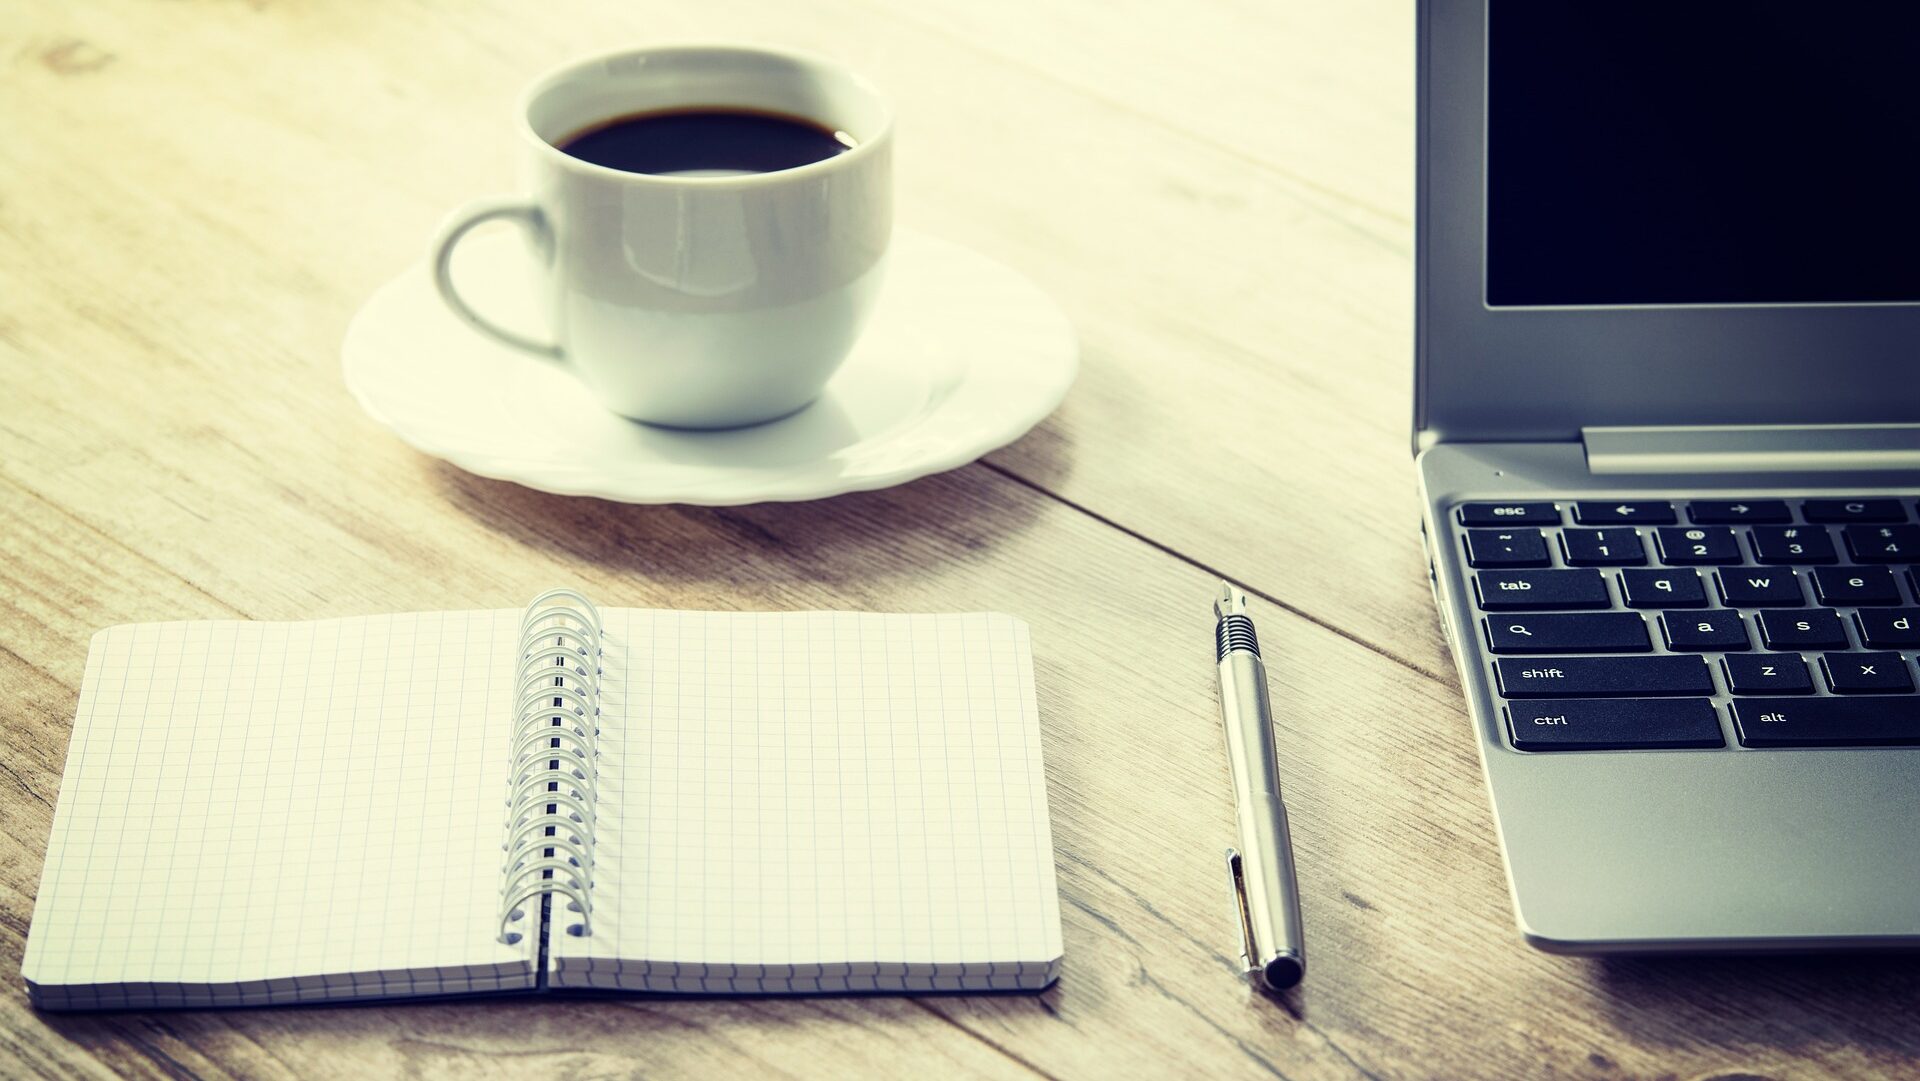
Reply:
x=1237 y=885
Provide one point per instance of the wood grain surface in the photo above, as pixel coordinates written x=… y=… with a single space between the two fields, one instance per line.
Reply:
x=196 y=196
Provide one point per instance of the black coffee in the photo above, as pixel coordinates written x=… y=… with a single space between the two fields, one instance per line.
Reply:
x=706 y=139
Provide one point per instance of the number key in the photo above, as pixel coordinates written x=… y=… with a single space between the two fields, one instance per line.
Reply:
x=1882 y=543
x=1698 y=544
x=1602 y=548
x=1793 y=544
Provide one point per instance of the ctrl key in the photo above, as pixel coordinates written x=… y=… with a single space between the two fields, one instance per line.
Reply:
x=1619 y=724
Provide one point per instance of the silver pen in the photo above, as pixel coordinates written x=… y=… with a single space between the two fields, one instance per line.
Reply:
x=1261 y=872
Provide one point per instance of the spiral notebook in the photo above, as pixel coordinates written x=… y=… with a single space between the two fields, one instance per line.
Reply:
x=554 y=798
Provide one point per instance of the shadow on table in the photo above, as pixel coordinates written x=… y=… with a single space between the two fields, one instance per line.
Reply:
x=1787 y=1002
x=863 y=540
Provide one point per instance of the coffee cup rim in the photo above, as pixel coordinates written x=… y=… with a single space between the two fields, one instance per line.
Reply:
x=859 y=151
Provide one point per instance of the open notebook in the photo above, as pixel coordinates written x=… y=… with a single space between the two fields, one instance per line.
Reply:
x=551 y=798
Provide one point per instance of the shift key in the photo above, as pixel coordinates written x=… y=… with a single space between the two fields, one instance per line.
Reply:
x=1603 y=677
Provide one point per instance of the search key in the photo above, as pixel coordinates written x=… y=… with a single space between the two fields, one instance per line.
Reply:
x=1585 y=632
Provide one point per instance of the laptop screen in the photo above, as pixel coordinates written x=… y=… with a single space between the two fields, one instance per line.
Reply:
x=1702 y=152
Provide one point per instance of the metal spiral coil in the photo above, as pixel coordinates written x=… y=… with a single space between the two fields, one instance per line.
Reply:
x=551 y=783
x=1234 y=631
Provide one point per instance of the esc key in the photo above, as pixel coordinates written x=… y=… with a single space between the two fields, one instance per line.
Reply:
x=1509 y=514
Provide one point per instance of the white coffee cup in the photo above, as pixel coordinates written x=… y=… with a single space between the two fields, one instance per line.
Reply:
x=696 y=301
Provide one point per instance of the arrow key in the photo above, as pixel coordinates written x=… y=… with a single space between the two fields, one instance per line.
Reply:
x=1598 y=513
x=1732 y=511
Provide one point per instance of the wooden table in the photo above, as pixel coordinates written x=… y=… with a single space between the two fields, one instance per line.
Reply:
x=195 y=197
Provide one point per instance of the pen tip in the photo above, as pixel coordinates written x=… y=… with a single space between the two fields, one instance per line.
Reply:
x=1228 y=601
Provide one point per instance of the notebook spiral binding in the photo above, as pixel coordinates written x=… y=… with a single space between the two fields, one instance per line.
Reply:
x=551 y=785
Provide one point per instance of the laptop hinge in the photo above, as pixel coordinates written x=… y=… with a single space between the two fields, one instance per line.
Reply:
x=1769 y=448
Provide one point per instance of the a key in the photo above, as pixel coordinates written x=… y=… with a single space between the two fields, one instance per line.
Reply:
x=1620 y=724
x=1826 y=722
x=1888 y=628
x=1667 y=675
x=1731 y=511
x=1697 y=544
x=1867 y=673
x=1627 y=513
x=1792 y=544
x=1506 y=548
x=1760 y=587
x=1720 y=629
x=1515 y=591
x=1817 y=629
x=1854 y=585
x=1882 y=543
x=1602 y=547
x=1505 y=514
x=1766 y=673
x=1595 y=632
x=1853 y=510
x=1662 y=589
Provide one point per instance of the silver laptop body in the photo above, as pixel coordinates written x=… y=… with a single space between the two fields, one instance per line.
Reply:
x=1658 y=266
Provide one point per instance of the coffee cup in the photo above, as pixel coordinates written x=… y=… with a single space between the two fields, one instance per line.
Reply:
x=706 y=228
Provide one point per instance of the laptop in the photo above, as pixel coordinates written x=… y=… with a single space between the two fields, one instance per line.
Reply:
x=1667 y=418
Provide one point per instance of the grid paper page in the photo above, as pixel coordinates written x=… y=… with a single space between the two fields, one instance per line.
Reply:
x=818 y=801
x=256 y=812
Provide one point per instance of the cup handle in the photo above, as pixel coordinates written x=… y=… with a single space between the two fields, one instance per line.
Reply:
x=522 y=213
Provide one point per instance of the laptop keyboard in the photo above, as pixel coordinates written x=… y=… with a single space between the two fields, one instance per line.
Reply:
x=1624 y=624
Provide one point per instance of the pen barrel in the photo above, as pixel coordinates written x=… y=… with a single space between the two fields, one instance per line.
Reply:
x=1276 y=946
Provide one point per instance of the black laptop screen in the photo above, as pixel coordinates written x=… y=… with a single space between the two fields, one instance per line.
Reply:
x=1702 y=152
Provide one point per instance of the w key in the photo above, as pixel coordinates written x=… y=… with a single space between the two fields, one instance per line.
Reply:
x=1586 y=632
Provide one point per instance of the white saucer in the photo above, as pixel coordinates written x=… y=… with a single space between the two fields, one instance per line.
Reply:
x=962 y=356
